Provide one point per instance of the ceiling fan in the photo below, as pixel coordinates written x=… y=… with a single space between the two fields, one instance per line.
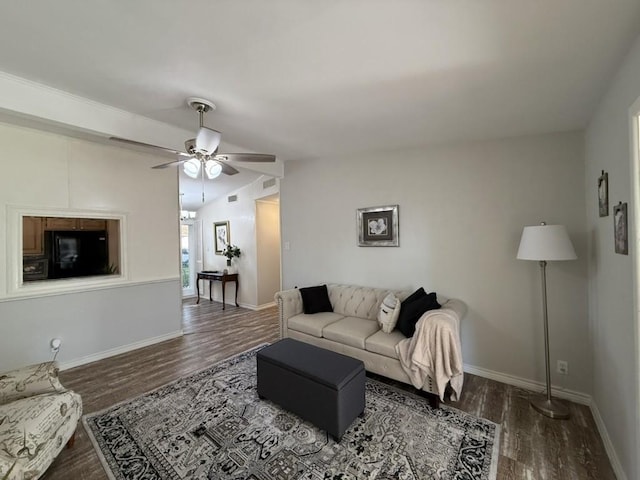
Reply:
x=201 y=156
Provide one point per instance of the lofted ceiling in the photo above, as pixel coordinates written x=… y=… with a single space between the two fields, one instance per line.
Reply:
x=303 y=79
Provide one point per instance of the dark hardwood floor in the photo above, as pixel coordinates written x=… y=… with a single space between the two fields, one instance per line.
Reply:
x=532 y=447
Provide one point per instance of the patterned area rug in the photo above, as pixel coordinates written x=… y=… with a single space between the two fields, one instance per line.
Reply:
x=211 y=425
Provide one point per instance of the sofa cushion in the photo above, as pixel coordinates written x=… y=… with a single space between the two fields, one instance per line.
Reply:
x=388 y=313
x=419 y=293
x=405 y=314
x=314 y=323
x=315 y=299
x=352 y=331
x=353 y=301
x=413 y=312
x=384 y=343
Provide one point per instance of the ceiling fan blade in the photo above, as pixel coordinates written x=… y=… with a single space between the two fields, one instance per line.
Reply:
x=207 y=140
x=246 y=157
x=170 y=164
x=148 y=145
x=228 y=169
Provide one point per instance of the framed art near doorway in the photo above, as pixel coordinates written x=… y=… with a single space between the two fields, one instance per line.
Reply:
x=603 y=194
x=620 y=229
x=221 y=236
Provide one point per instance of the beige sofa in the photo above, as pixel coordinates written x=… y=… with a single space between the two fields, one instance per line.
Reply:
x=38 y=417
x=351 y=329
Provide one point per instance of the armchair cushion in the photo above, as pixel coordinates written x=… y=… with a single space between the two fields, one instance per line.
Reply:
x=28 y=381
x=38 y=416
x=29 y=424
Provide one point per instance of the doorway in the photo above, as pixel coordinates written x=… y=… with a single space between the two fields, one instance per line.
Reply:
x=190 y=255
x=268 y=249
x=634 y=242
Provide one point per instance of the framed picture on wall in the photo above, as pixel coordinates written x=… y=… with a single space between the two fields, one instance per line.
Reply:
x=620 y=230
x=221 y=236
x=603 y=194
x=378 y=226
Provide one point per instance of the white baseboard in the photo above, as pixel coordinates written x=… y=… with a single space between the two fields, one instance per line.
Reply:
x=578 y=397
x=265 y=305
x=256 y=307
x=608 y=445
x=118 y=350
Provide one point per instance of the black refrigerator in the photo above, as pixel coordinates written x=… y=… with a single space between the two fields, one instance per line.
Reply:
x=77 y=253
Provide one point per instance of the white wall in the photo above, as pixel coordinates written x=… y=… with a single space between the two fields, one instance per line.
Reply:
x=611 y=312
x=268 y=249
x=49 y=171
x=241 y=216
x=462 y=210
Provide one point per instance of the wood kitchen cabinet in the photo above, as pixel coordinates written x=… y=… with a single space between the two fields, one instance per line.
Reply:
x=91 y=224
x=67 y=223
x=32 y=236
x=59 y=223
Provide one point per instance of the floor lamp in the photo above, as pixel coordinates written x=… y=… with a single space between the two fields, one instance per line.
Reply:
x=546 y=243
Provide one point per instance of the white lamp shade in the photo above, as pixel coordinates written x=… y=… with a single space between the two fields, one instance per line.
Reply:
x=546 y=242
x=212 y=169
x=207 y=140
x=192 y=167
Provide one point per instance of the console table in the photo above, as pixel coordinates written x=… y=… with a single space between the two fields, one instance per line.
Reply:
x=219 y=277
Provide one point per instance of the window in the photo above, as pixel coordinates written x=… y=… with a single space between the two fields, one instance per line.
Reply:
x=69 y=247
x=185 y=257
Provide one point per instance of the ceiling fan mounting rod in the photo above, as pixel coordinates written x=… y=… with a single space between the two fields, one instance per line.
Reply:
x=201 y=106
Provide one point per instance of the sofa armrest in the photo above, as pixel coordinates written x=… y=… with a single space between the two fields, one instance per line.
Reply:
x=289 y=304
x=458 y=307
x=29 y=381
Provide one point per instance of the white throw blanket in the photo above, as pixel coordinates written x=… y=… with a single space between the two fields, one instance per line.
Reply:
x=435 y=349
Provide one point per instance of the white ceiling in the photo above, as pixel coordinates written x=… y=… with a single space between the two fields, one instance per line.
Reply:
x=305 y=79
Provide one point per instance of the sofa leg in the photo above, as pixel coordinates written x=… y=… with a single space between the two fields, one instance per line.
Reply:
x=432 y=398
x=72 y=441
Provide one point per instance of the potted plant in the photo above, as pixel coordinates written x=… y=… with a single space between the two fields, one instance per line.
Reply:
x=230 y=252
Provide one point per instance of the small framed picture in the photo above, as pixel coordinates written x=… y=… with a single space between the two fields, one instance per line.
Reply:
x=378 y=226
x=222 y=236
x=603 y=194
x=620 y=230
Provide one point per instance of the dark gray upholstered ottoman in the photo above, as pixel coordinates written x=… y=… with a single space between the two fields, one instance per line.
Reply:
x=321 y=386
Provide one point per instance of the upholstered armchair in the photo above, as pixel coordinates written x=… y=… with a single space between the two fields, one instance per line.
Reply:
x=38 y=416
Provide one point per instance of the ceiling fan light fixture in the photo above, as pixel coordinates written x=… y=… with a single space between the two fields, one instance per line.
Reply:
x=212 y=168
x=207 y=140
x=192 y=167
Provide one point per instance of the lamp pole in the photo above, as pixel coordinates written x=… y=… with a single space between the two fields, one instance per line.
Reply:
x=545 y=404
x=543 y=272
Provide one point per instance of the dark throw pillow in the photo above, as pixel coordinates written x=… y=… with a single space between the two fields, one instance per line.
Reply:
x=316 y=299
x=419 y=293
x=405 y=313
x=411 y=313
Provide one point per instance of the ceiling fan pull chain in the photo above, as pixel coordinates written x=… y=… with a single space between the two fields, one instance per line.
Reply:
x=202 y=170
